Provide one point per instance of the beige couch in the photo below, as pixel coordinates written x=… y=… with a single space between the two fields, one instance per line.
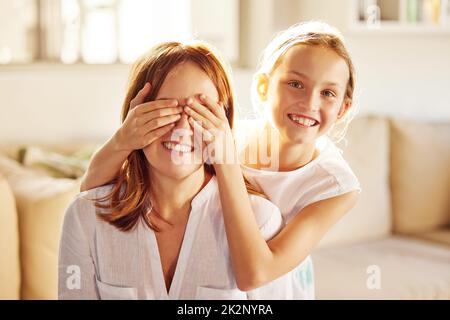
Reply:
x=395 y=244
x=31 y=234
x=9 y=244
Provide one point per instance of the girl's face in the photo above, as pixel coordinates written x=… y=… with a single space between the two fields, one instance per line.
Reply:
x=175 y=154
x=305 y=93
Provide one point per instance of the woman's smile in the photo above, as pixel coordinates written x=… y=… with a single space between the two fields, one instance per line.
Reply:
x=180 y=147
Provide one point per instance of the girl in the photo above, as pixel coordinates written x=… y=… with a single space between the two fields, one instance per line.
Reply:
x=157 y=231
x=305 y=87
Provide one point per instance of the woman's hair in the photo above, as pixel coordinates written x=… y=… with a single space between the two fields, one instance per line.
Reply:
x=312 y=33
x=129 y=199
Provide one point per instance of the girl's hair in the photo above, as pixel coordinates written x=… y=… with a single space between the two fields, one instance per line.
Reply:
x=312 y=33
x=129 y=199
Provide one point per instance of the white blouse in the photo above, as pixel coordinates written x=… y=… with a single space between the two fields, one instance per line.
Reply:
x=98 y=261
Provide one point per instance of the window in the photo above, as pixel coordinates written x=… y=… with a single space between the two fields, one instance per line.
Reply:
x=18 y=42
x=110 y=31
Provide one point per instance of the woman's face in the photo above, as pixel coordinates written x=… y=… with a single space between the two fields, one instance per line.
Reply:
x=175 y=154
x=305 y=93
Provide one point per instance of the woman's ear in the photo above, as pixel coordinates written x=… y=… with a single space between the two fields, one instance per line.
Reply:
x=346 y=105
x=262 y=82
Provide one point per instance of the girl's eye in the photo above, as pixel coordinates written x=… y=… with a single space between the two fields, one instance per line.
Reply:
x=329 y=93
x=296 y=84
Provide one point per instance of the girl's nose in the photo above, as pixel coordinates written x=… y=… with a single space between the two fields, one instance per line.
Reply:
x=311 y=102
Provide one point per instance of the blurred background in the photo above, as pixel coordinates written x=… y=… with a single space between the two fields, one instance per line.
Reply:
x=64 y=63
x=63 y=73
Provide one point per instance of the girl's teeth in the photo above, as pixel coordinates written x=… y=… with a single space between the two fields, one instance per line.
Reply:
x=303 y=121
x=177 y=147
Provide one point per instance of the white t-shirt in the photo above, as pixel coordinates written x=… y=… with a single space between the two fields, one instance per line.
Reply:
x=326 y=176
x=98 y=261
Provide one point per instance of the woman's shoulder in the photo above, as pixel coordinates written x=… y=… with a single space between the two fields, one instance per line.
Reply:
x=96 y=193
x=89 y=197
x=82 y=209
x=267 y=215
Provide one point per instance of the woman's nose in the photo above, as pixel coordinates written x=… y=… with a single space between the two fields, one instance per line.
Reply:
x=183 y=123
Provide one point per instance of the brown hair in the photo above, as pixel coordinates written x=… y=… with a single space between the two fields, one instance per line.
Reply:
x=313 y=33
x=129 y=198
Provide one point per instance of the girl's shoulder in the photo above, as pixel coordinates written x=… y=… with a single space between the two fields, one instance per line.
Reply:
x=328 y=162
x=334 y=165
x=326 y=176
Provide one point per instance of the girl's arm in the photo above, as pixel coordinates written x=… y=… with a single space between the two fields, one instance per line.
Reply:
x=145 y=123
x=255 y=261
x=105 y=164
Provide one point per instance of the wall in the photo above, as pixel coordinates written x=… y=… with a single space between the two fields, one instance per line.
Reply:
x=404 y=75
x=47 y=103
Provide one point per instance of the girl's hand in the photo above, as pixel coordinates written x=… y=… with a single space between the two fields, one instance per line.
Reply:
x=208 y=118
x=146 y=122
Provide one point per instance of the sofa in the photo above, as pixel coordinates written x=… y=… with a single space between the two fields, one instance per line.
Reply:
x=32 y=206
x=395 y=243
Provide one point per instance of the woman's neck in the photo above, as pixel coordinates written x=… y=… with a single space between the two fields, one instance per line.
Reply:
x=284 y=155
x=171 y=198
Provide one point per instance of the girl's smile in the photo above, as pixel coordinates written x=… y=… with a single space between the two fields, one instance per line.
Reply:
x=303 y=120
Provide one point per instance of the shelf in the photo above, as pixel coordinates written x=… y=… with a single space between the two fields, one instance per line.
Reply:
x=394 y=28
x=396 y=17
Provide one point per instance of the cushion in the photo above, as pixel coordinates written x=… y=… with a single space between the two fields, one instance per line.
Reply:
x=59 y=161
x=9 y=244
x=366 y=149
x=407 y=268
x=41 y=204
x=420 y=176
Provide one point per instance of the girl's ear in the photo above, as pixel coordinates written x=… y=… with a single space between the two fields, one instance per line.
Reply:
x=262 y=86
x=346 y=105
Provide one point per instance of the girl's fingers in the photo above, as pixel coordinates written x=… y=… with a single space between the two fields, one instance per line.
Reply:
x=205 y=123
x=155 y=105
x=203 y=111
x=140 y=97
x=143 y=119
x=160 y=122
x=216 y=107
x=158 y=133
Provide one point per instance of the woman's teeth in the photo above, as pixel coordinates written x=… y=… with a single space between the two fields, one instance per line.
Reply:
x=303 y=121
x=177 y=147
